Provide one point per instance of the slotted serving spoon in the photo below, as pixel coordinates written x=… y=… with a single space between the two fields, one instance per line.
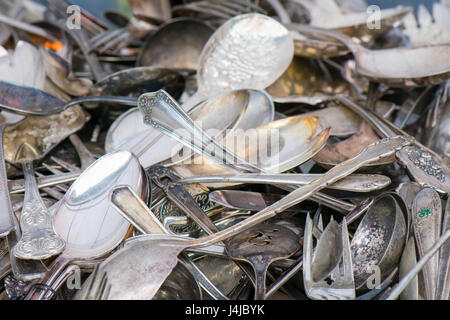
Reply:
x=260 y=246
x=158 y=253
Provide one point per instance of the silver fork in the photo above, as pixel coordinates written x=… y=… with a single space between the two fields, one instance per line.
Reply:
x=221 y=9
x=342 y=284
x=118 y=39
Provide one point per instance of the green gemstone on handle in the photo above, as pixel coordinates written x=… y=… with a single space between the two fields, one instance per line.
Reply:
x=425 y=212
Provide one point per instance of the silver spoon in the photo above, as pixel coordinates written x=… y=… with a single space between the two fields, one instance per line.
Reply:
x=241 y=109
x=248 y=51
x=352 y=183
x=84 y=219
x=30 y=101
x=128 y=204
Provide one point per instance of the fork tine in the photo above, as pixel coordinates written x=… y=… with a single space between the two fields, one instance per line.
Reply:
x=107 y=37
x=307 y=256
x=101 y=288
x=348 y=280
x=114 y=42
x=249 y=4
x=226 y=8
x=64 y=164
x=205 y=8
x=317 y=223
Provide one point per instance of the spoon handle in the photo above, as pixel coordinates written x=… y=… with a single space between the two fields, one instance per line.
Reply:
x=443 y=289
x=427 y=168
x=161 y=111
x=426 y=217
x=38 y=240
x=353 y=183
x=261 y=272
x=18 y=186
x=58 y=268
x=372 y=152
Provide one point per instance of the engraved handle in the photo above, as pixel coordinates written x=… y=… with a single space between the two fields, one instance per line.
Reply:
x=372 y=152
x=162 y=112
x=38 y=240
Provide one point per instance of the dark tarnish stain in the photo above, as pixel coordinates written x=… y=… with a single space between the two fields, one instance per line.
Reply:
x=28 y=100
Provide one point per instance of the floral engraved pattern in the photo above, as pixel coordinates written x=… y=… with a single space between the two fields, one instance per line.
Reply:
x=425 y=161
x=34 y=213
x=39 y=248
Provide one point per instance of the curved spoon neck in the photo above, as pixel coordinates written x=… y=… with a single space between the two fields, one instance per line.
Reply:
x=31 y=188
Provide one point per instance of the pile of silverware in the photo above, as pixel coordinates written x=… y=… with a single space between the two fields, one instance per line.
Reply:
x=226 y=150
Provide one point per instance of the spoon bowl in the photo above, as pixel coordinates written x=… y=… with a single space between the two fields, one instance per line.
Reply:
x=176 y=45
x=379 y=240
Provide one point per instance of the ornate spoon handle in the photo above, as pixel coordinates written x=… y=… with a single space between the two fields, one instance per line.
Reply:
x=161 y=111
x=38 y=240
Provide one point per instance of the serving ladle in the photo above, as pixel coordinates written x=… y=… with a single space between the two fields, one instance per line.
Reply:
x=86 y=221
x=159 y=253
